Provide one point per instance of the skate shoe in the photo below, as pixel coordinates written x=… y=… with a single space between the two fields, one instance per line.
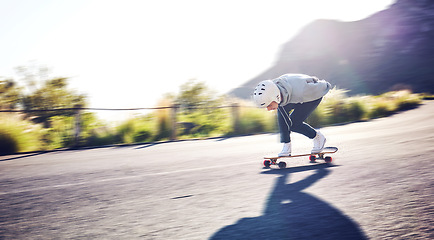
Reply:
x=286 y=151
x=318 y=143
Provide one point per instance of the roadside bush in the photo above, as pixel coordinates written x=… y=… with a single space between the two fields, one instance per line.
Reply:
x=144 y=129
x=164 y=128
x=337 y=107
x=8 y=144
x=61 y=132
x=255 y=120
x=251 y=122
x=391 y=102
x=379 y=108
x=405 y=100
x=316 y=119
x=134 y=130
x=355 y=109
x=199 y=108
x=18 y=135
x=101 y=136
x=206 y=122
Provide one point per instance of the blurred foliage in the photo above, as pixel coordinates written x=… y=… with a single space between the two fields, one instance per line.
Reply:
x=61 y=132
x=255 y=120
x=163 y=118
x=193 y=95
x=51 y=95
x=337 y=107
x=38 y=92
x=18 y=135
x=9 y=94
x=199 y=113
x=139 y=129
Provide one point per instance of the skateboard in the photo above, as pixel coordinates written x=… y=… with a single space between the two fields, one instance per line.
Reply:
x=312 y=157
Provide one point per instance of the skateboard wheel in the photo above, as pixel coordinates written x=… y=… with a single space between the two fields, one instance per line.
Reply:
x=282 y=165
x=312 y=158
x=328 y=159
x=267 y=163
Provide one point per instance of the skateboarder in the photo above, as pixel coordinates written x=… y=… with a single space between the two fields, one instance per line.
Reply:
x=300 y=92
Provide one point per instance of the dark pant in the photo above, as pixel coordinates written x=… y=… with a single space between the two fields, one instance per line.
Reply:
x=295 y=121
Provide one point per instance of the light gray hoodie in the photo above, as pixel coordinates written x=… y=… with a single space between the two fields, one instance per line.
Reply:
x=300 y=88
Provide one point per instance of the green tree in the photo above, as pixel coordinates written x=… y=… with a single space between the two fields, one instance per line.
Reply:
x=194 y=94
x=53 y=94
x=199 y=105
x=9 y=94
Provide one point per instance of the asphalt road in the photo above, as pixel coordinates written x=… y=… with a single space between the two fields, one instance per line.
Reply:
x=380 y=186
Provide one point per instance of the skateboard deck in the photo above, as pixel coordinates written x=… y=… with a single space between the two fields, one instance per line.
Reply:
x=274 y=160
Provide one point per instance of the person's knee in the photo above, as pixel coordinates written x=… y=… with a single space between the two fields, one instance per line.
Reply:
x=296 y=125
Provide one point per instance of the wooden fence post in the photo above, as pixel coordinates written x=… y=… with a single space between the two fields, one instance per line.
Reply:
x=77 y=125
x=174 y=111
x=235 y=117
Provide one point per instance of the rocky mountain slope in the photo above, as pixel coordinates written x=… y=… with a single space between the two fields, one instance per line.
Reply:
x=392 y=49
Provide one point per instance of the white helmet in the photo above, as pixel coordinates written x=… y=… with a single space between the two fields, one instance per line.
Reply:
x=265 y=93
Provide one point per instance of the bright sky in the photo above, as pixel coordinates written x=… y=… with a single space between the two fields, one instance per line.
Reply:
x=128 y=53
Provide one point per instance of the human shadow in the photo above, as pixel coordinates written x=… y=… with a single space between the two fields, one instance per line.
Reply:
x=290 y=213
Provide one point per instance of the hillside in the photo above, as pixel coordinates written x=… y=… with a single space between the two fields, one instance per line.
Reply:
x=392 y=49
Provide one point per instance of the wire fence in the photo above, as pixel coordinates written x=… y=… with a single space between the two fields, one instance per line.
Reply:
x=116 y=109
x=174 y=110
x=81 y=109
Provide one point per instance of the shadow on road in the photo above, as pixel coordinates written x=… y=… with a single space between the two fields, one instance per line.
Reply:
x=291 y=213
x=147 y=145
x=22 y=156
